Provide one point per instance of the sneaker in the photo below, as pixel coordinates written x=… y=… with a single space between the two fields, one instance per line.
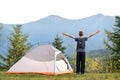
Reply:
x=82 y=73
x=77 y=73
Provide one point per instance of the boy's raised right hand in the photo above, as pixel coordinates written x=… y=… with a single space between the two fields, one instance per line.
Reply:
x=64 y=33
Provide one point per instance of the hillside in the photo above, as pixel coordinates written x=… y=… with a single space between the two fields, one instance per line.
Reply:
x=99 y=53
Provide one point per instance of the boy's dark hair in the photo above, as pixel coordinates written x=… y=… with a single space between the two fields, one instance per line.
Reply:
x=81 y=33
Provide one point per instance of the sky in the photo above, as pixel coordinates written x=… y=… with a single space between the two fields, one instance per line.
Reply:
x=24 y=11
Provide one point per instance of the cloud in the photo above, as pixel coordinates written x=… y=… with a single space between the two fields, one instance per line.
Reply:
x=22 y=11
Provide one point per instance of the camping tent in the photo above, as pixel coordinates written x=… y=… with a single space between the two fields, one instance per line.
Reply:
x=43 y=59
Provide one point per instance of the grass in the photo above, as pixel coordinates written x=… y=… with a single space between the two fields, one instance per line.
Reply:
x=87 y=76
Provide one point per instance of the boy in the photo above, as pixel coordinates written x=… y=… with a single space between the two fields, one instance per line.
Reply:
x=80 y=57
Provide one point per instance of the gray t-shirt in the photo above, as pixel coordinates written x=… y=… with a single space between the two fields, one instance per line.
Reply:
x=81 y=44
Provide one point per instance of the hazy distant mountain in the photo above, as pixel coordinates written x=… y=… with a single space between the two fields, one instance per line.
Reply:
x=45 y=30
x=99 y=53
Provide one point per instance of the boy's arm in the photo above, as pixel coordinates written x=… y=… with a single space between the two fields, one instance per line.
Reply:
x=93 y=34
x=65 y=34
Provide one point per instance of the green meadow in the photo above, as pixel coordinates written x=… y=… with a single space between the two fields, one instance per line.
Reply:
x=86 y=76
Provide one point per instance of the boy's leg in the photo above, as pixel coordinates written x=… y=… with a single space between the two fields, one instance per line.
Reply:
x=82 y=62
x=78 y=63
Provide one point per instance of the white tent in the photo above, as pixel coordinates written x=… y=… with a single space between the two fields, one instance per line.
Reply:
x=44 y=59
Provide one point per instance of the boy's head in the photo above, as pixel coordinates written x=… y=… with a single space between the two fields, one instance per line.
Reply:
x=81 y=33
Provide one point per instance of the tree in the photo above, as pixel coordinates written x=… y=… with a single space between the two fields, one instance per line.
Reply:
x=1 y=57
x=113 y=43
x=1 y=40
x=58 y=43
x=17 y=47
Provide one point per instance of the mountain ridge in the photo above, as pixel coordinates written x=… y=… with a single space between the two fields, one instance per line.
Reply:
x=45 y=30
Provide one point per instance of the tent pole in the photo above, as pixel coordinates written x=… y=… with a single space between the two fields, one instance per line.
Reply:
x=55 y=63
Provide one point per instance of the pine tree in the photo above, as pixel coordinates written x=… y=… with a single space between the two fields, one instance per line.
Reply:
x=58 y=43
x=17 y=47
x=1 y=38
x=1 y=57
x=113 y=43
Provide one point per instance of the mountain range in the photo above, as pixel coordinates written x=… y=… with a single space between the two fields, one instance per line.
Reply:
x=44 y=30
